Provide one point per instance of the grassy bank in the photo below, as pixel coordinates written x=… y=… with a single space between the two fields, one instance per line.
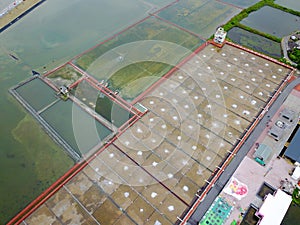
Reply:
x=235 y=21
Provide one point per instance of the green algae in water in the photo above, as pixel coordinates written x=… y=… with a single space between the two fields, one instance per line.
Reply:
x=111 y=111
x=30 y=171
x=37 y=93
x=255 y=42
x=272 y=21
x=89 y=132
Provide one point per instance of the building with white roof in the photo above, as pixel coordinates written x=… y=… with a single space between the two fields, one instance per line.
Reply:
x=220 y=35
x=274 y=208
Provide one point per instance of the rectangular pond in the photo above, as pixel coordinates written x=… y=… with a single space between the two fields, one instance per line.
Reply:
x=79 y=129
x=37 y=93
x=201 y=17
x=241 y=3
x=272 y=21
x=255 y=42
x=133 y=60
x=291 y=4
x=148 y=30
x=159 y=3
x=110 y=112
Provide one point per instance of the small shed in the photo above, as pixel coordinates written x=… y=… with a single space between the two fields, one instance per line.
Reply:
x=263 y=152
x=64 y=90
x=220 y=35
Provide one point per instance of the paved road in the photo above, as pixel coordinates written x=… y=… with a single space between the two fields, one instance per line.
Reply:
x=4 y=4
x=230 y=169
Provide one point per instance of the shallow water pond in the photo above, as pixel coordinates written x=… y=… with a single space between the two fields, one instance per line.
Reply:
x=255 y=42
x=272 y=21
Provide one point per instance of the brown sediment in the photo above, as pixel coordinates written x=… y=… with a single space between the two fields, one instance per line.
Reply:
x=17 y=12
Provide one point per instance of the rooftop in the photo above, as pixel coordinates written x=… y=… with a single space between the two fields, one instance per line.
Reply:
x=293 y=151
x=274 y=208
x=273 y=173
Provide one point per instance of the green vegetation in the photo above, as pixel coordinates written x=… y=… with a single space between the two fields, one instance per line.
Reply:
x=134 y=79
x=41 y=157
x=296 y=196
x=255 y=42
x=235 y=21
x=291 y=11
x=50 y=161
x=294 y=55
x=201 y=17
x=150 y=29
x=64 y=97
x=254 y=31
x=112 y=111
x=284 y=60
x=64 y=76
x=66 y=72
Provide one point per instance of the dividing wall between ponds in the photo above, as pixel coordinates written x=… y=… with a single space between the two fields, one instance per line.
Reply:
x=66 y=123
